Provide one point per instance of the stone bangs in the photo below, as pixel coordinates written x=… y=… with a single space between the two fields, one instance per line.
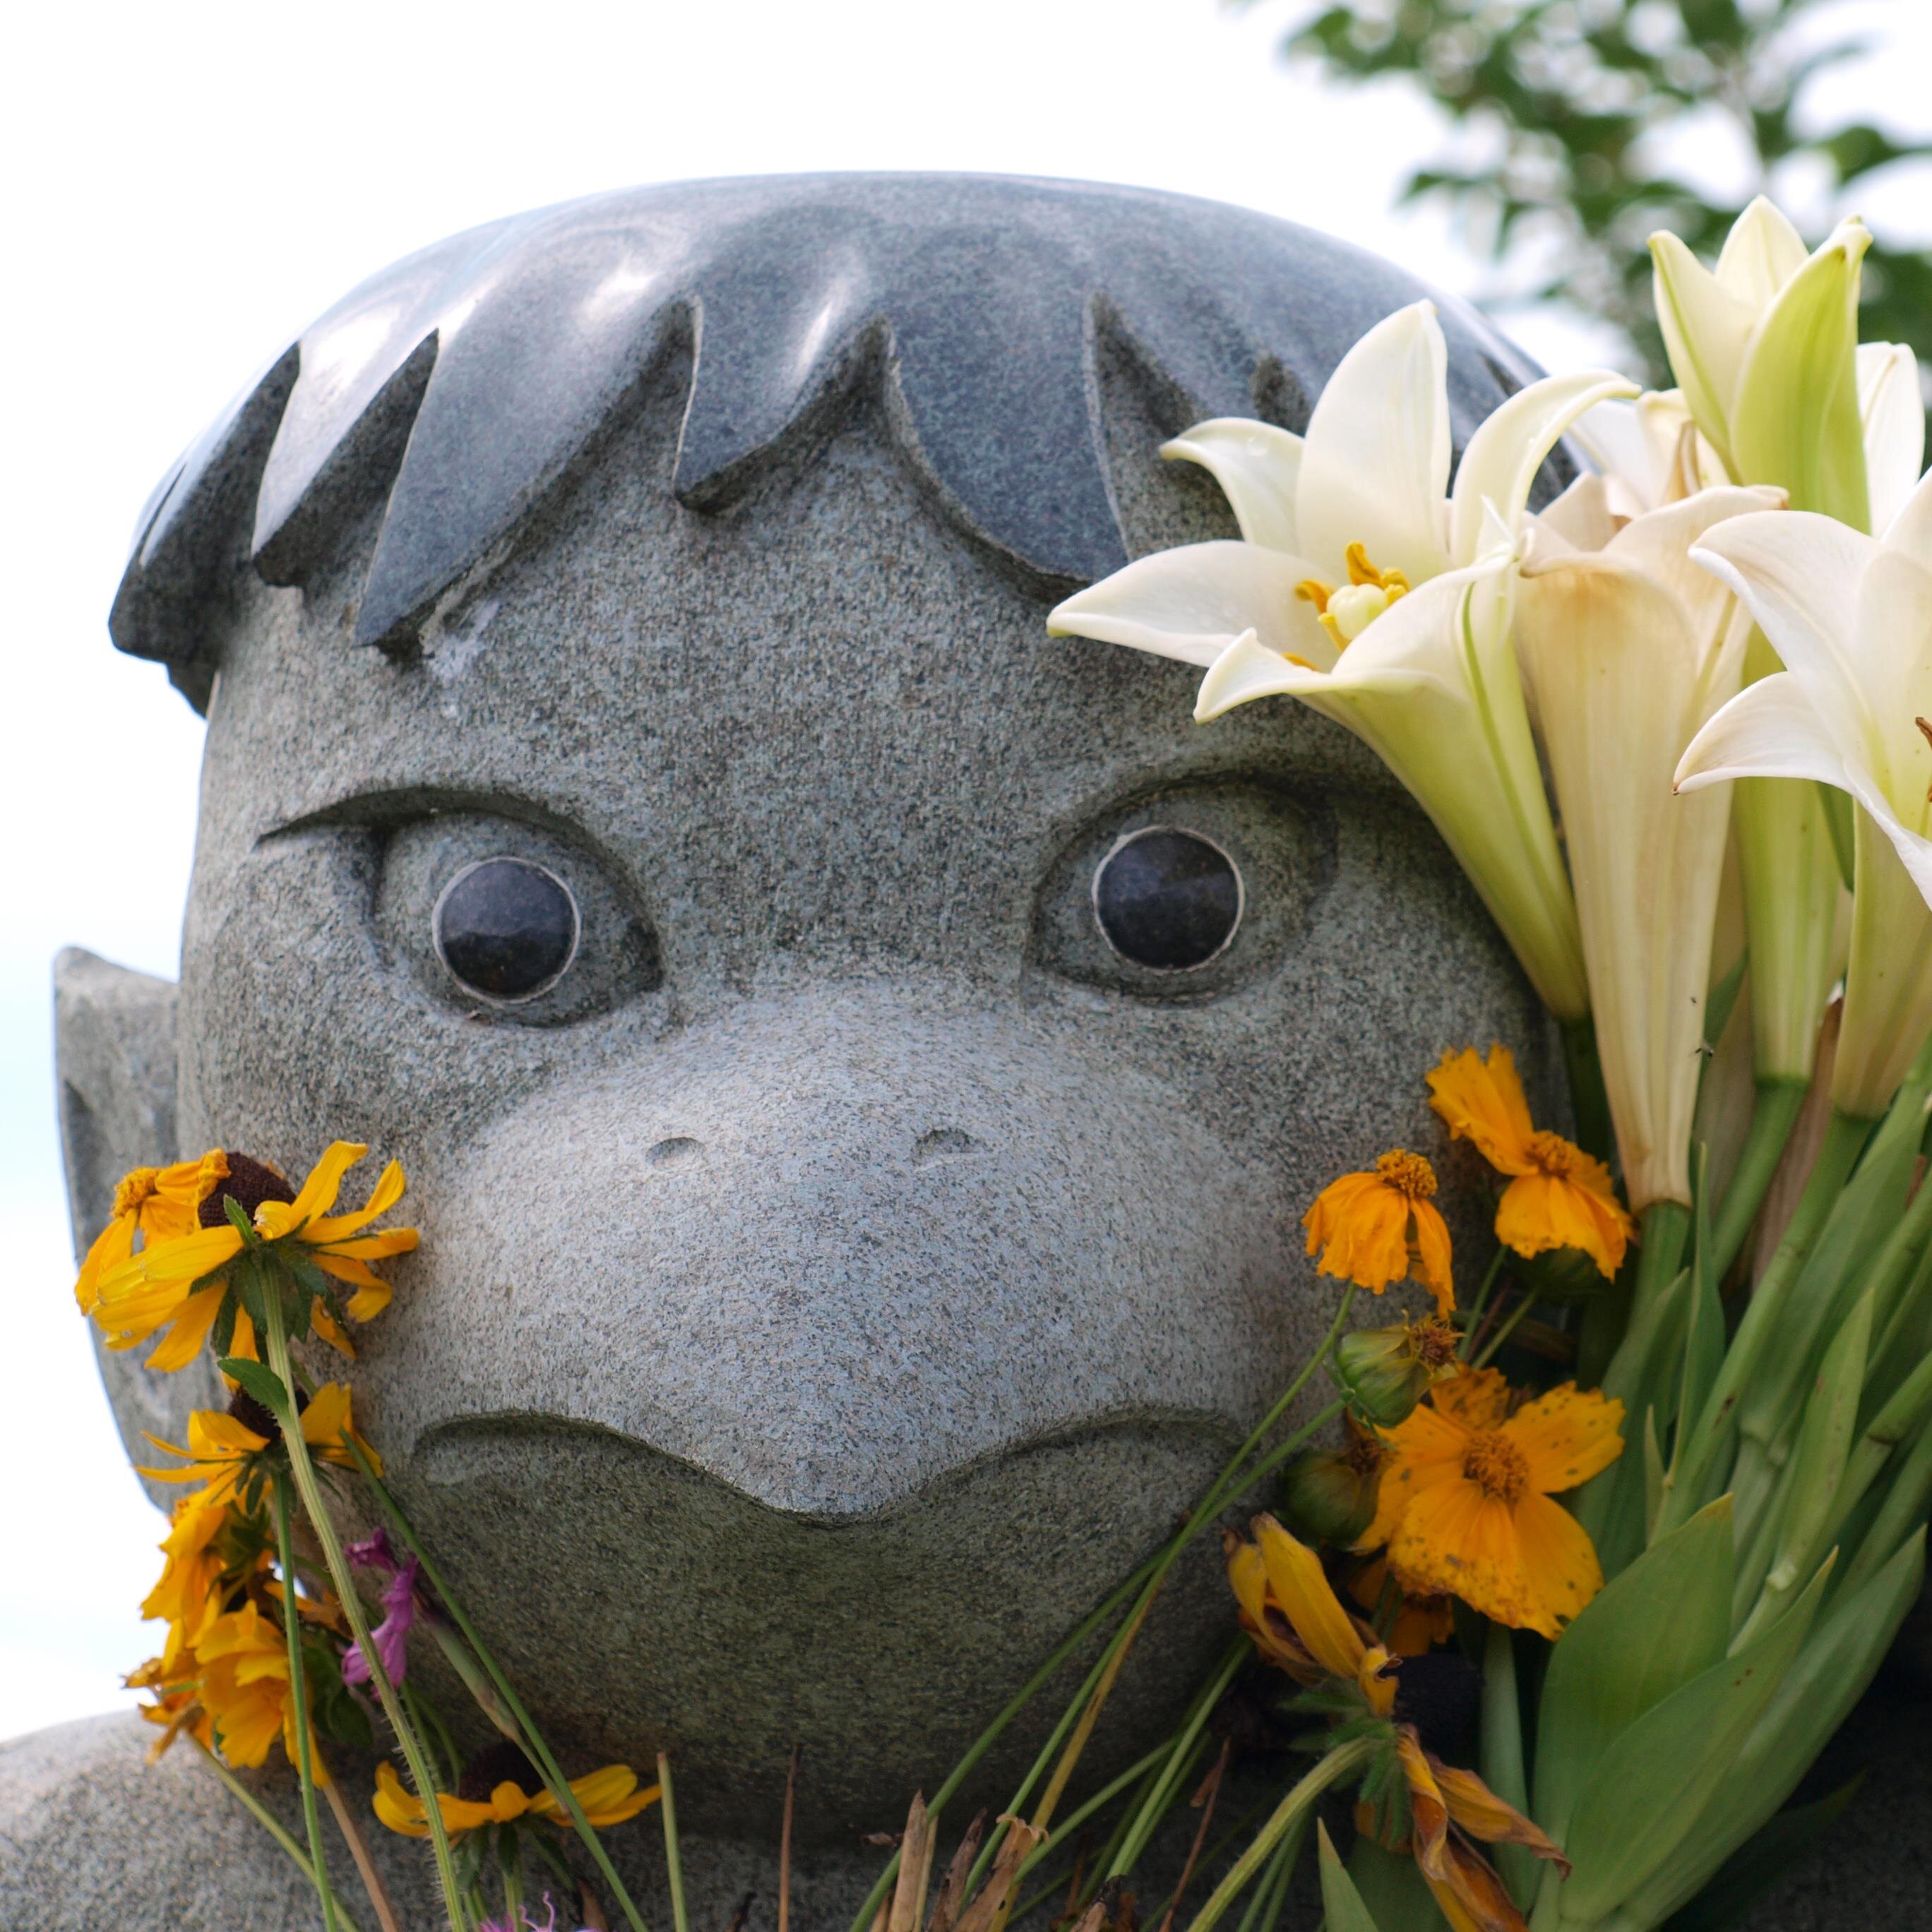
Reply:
x=454 y=390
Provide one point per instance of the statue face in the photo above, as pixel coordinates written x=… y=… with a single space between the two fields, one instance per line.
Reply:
x=844 y=1252
x=859 y=1065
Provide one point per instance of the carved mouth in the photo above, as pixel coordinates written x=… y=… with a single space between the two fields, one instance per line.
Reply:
x=652 y=1600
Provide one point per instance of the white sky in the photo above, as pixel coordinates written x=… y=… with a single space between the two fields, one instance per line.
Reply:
x=188 y=186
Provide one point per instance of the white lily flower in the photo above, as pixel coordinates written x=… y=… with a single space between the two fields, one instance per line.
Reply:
x=1893 y=413
x=1651 y=453
x=1343 y=530
x=1851 y=617
x=1627 y=649
x=1648 y=451
x=1765 y=350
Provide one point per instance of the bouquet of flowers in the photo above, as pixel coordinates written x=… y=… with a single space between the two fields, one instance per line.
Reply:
x=1605 y=1550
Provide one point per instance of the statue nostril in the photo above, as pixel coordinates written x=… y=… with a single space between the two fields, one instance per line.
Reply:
x=674 y=1152
x=945 y=1144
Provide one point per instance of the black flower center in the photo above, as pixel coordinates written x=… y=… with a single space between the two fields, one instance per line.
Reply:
x=254 y=1415
x=250 y=1183
x=501 y=1763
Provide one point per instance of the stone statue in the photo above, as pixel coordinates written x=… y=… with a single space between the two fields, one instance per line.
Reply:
x=859 y=1063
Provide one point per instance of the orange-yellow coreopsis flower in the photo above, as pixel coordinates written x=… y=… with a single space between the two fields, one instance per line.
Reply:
x=1384 y=1226
x=1561 y=1197
x=1465 y=1506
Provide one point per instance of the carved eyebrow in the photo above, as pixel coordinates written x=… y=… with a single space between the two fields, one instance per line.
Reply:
x=384 y=808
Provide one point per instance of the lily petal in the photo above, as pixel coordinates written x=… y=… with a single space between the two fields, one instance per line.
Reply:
x=1258 y=468
x=1193 y=602
x=1762 y=252
x=1794 y=418
x=1705 y=329
x=1893 y=414
x=1375 y=462
x=1793 y=570
x=1500 y=465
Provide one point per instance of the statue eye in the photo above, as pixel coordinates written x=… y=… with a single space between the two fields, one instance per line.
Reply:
x=506 y=928
x=1167 y=900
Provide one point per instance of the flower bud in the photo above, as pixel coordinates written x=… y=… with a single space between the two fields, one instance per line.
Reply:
x=1384 y=1372
x=1561 y=1275
x=1328 y=1496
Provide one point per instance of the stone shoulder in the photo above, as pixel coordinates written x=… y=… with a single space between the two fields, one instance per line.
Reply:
x=93 y=1836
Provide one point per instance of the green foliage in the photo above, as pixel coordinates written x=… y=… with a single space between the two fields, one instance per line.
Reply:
x=1565 y=93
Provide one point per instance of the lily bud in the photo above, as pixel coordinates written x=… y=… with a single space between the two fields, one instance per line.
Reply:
x=1384 y=1372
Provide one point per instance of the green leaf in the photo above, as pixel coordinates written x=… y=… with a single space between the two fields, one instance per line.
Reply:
x=1646 y=1791
x=1750 y=1873
x=1393 y=1891
x=1839 y=1659
x=1646 y=1634
x=261 y=1381
x=1796 y=1533
x=1611 y=1507
x=1341 y=1907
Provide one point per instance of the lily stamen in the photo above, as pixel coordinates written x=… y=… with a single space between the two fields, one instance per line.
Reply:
x=1346 y=613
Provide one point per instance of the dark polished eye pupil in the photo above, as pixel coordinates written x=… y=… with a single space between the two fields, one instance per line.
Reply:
x=1167 y=900
x=506 y=928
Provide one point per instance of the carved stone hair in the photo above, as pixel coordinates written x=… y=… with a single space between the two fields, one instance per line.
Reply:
x=466 y=380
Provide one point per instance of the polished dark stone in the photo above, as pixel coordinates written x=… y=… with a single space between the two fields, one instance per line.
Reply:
x=506 y=929
x=1167 y=900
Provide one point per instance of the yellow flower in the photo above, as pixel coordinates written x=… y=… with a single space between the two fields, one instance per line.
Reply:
x=1421 y=1623
x=1465 y=1506
x=156 y=1203
x=1447 y=1808
x=607 y=1797
x=186 y=1595
x=1297 y=1620
x=1432 y=1810
x=181 y=1284
x=1561 y=1197
x=223 y=1446
x=1375 y=1228
x=244 y=1686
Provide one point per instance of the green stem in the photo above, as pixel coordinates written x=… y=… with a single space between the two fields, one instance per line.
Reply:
x=511 y=1869
x=533 y=1739
x=1504 y=1332
x=1078 y=1816
x=1502 y=1754
x=1473 y=1321
x=1589 y=1098
x=1165 y=1788
x=1142 y=1585
x=285 y=1545
x=1844 y=1139
x=1666 y=1226
x=673 y=1864
x=269 y=1822
x=1265 y=1907
x=275 y=1335
x=1339 y=1763
x=1772 y=1119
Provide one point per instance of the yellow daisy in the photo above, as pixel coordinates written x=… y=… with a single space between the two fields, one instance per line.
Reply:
x=1381 y=1227
x=1561 y=1197
x=500 y=1785
x=181 y=1284
x=1465 y=1506
x=186 y=1595
x=243 y=1686
x=224 y=1446
x=155 y=1204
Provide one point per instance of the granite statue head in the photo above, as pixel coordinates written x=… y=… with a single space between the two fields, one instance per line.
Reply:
x=859 y=1064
